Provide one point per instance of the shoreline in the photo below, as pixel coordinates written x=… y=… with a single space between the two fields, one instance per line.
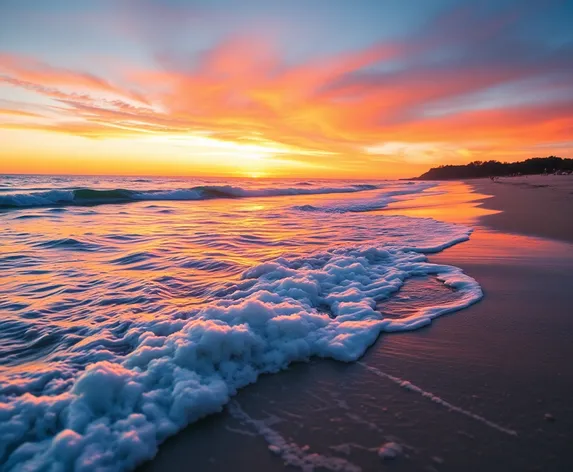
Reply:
x=502 y=364
x=536 y=205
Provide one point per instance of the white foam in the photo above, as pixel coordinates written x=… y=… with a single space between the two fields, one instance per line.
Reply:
x=118 y=410
x=377 y=202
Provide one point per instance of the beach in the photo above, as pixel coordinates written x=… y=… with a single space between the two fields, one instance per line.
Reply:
x=286 y=236
x=537 y=205
x=276 y=324
x=486 y=388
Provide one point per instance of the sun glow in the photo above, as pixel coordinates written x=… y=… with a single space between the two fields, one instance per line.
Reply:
x=246 y=102
x=255 y=174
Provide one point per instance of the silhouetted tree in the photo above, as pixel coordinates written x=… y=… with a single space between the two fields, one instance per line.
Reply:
x=476 y=169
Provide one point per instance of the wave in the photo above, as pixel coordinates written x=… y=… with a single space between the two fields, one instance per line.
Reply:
x=347 y=208
x=68 y=244
x=88 y=196
x=379 y=202
x=65 y=197
x=164 y=373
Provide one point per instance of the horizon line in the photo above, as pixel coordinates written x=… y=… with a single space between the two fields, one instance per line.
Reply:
x=246 y=177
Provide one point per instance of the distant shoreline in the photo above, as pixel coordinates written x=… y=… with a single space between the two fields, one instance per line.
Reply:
x=489 y=169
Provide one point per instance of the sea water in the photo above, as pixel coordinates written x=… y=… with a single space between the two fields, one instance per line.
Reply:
x=131 y=307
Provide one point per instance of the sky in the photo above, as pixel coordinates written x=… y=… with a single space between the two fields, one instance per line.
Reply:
x=263 y=88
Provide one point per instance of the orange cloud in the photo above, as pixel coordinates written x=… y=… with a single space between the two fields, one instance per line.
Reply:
x=335 y=112
x=19 y=113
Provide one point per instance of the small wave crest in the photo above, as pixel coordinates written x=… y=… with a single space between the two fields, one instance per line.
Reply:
x=84 y=196
x=70 y=244
x=378 y=202
x=89 y=196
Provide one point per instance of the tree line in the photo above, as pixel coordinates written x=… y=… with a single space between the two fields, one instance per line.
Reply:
x=477 y=169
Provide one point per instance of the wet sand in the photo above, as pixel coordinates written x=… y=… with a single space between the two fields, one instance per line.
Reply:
x=489 y=388
x=536 y=205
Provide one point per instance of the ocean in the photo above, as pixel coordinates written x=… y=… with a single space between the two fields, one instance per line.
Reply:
x=132 y=307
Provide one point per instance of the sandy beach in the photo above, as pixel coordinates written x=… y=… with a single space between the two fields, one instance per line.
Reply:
x=286 y=236
x=537 y=205
x=487 y=388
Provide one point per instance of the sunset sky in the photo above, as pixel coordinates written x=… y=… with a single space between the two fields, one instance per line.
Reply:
x=318 y=88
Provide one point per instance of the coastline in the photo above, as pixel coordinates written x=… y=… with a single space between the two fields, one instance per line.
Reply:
x=502 y=364
x=534 y=205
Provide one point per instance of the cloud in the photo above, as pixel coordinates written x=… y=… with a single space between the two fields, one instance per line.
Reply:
x=447 y=92
x=28 y=70
x=19 y=113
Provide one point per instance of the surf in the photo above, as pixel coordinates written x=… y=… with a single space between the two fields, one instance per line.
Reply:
x=91 y=196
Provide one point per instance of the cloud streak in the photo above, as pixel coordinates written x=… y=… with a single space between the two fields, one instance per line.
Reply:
x=427 y=91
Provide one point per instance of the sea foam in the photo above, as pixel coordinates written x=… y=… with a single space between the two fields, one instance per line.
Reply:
x=378 y=201
x=111 y=410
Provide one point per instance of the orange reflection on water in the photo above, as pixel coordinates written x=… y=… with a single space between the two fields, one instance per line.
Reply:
x=457 y=202
x=454 y=202
x=65 y=271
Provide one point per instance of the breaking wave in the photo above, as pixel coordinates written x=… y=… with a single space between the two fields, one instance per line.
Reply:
x=118 y=329
x=88 y=196
x=378 y=202
x=107 y=401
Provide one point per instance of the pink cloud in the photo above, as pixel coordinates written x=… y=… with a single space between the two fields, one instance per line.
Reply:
x=244 y=89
